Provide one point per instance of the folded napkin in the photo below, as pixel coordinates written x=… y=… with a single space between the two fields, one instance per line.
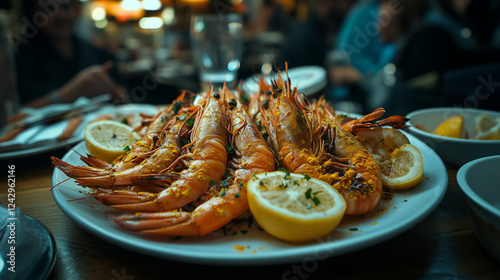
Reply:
x=47 y=134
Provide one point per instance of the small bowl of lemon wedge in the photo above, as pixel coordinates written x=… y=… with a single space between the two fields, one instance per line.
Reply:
x=458 y=135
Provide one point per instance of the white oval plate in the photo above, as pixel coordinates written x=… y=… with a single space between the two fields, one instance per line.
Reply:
x=242 y=244
x=307 y=79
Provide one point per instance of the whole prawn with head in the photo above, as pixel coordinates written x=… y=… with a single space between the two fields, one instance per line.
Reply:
x=250 y=155
x=207 y=156
x=307 y=143
x=159 y=147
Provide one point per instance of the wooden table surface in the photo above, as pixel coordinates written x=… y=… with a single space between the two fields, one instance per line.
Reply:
x=443 y=246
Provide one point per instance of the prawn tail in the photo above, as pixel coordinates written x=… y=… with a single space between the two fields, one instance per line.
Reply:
x=78 y=171
x=91 y=160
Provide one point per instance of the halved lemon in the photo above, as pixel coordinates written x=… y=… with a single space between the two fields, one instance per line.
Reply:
x=451 y=127
x=108 y=140
x=381 y=143
x=407 y=169
x=294 y=207
x=486 y=128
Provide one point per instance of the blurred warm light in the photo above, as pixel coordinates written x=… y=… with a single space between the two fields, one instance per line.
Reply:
x=131 y=5
x=151 y=5
x=101 y=24
x=168 y=15
x=150 y=23
x=98 y=13
x=288 y=5
x=266 y=68
x=115 y=9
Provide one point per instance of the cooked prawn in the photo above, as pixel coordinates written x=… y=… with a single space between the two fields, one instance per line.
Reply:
x=250 y=155
x=208 y=163
x=161 y=158
x=299 y=141
x=148 y=142
x=368 y=122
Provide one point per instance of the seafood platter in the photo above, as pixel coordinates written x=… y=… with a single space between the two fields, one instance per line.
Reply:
x=180 y=192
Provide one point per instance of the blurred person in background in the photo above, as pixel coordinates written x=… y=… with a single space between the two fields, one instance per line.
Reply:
x=54 y=65
x=424 y=51
x=358 y=52
x=451 y=15
x=421 y=47
x=309 y=42
x=391 y=56
x=270 y=17
x=474 y=25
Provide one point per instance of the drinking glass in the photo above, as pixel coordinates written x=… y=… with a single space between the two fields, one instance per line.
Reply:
x=217 y=43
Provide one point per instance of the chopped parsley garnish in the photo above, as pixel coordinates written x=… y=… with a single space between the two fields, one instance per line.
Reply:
x=287 y=173
x=230 y=149
x=124 y=121
x=243 y=99
x=127 y=148
x=212 y=183
x=223 y=193
x=353 y=229
x=177 y=107
x=190 y=122
x=316 y=200
x=307 y=177
x=226 y=182
x=312 y=196
x=237 y=195
x=308 y=193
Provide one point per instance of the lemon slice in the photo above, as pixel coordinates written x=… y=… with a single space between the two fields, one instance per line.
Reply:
x=381 y=143
x=294 y=207
x=108 y=140
x=407 y=169
x=451 y=127
x=486 y=128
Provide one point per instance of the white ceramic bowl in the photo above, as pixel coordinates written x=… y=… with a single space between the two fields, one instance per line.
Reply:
x=453 y=150
x=480 y=181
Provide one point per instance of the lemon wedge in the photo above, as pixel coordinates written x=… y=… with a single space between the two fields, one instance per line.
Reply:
x=407 y=168
x=294 y=207
x=108 y=140
x=486 y=128
x=451 y=127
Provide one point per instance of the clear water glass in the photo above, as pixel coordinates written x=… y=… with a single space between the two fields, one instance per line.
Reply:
x=217 y=44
